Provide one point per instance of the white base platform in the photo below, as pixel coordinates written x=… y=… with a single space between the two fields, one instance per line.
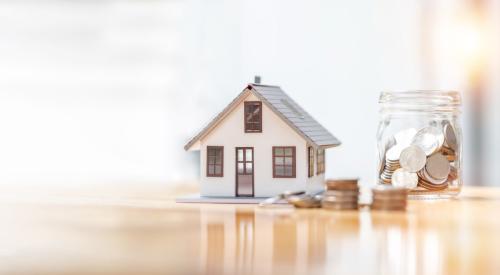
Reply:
x=196 y=198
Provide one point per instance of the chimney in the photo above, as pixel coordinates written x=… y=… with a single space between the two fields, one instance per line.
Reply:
x=256 y=79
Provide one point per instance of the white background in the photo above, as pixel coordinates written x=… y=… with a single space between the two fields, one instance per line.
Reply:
x=109 y=91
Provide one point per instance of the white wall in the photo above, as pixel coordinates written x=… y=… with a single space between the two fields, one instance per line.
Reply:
x=109 y=91
x=230 y=133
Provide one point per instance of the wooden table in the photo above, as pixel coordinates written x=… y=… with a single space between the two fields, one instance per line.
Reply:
x=140 y=230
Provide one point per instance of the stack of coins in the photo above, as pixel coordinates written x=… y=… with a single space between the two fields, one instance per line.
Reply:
x=389 y=198
x=341 y=194
x=425 y=159
x=391 y=164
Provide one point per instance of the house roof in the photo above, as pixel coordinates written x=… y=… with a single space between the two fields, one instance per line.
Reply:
x=283 y=106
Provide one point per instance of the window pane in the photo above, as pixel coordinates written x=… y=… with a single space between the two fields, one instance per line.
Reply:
x=288 y=171
x=288 y=151
x=240 y=168
x=249 y=168
x=211 y=160
x=218 y=160
x=249 y=154
x=218 y=169
x=279 y=161
x=278 y=151
x=279 y=171
x=240 y=154
x=288 y=161
x=211 y=170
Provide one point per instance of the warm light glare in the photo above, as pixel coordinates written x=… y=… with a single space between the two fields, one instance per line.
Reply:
x=470 y=42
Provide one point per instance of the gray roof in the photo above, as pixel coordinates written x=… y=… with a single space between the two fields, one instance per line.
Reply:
x=286 y=108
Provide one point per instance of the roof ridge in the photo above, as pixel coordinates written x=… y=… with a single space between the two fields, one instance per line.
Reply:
x=271 y=97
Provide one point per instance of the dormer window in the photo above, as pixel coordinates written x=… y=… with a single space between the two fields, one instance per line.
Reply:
x=253 y=117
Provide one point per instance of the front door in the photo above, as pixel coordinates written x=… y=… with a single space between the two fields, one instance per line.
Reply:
x=244 y=171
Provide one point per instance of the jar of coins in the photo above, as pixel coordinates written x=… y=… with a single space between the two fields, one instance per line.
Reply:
x=419 y=142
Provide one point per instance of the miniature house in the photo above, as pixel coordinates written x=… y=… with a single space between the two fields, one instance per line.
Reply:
x=263 y=143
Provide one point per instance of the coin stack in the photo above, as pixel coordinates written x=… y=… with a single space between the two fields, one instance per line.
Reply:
x=391 y=164
x=389 y=198
x=341 y=194
x=423 y=158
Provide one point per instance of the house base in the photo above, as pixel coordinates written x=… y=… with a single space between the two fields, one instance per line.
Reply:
x=196 y=198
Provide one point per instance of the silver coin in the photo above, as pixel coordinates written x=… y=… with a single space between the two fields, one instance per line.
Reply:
x=404 y=138
x=450 y=136
x=412 y=158
x=437 y=167
x=393 y=153
x=403 y=178
x=306 y=201
x=430 y=139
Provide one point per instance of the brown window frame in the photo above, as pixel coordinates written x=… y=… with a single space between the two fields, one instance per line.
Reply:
x=293 y=165
x=310 y=163
x=249 y=126
x=215 y=164
x=320 y=161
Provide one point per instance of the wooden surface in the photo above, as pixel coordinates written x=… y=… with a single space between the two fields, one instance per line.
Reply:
x=140 y=230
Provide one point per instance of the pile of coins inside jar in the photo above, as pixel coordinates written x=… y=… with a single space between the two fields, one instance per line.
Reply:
x=421 y=159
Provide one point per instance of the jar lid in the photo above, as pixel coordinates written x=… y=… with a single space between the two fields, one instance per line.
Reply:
x=421 y=100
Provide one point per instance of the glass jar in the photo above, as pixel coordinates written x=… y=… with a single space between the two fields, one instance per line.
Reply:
x=419 y=142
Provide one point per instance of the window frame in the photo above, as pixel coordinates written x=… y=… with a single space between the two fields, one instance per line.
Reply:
x=215 y=175
x=293 y=165
x=310 y=161
x=320 y=161
x=248 y=103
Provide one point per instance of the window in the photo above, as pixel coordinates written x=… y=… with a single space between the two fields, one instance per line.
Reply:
x=310 y=156
x=321 y=161
x=215 y=161
x=284 y=162
x=253 y=117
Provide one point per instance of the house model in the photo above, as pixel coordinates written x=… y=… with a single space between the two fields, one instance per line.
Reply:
x=262 y=144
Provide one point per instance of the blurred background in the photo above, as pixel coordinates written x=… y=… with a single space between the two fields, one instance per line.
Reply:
x=109 y=91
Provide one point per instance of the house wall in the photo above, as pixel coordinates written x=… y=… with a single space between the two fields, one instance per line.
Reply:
x=230 y=133
x=316 y=180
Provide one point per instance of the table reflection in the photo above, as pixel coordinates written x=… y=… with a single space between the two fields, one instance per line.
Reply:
x=284 y=240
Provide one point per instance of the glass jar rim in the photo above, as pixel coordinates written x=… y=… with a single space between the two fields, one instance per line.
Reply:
x=443 y=98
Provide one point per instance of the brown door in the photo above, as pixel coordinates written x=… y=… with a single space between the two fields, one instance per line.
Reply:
x=244 y=171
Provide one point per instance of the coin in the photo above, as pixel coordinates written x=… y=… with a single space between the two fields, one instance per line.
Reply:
x=453 y=173
x=437 y=167
x=412 y=158
x=342 y=184
x=389 y=189
x=306 y=201
x=389 y=208
x=273 y=200
x=404 y=178
x=389 y=203
x=404 y=138
x=339 y=206
x=430 y=139
x=341 y=193
x=340 y=198
x=389 y=196
x=450 y=136
x=392 y=155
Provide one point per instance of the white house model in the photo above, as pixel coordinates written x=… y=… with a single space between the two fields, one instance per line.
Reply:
x=262 y=144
